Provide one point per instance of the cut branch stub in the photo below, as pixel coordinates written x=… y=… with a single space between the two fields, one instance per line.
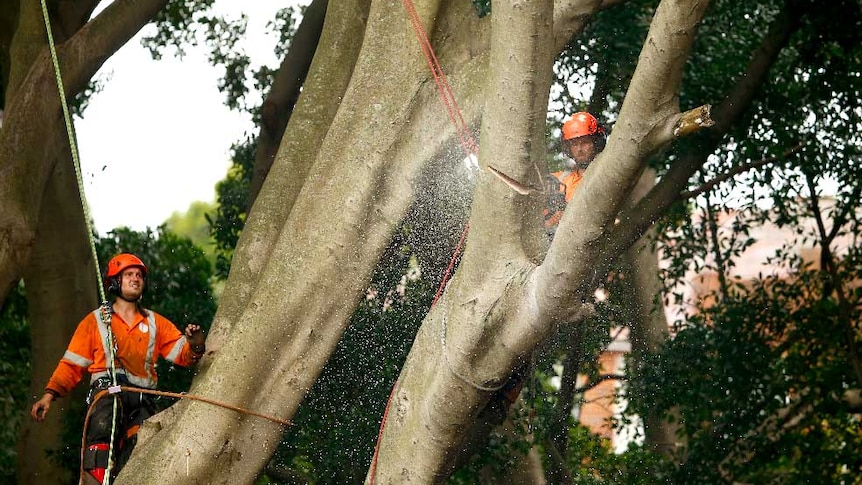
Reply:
x=693 y=120
x=512 y=183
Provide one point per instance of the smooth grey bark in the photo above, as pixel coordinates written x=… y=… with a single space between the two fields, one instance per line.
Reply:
x=284 y=92
x=323 y=89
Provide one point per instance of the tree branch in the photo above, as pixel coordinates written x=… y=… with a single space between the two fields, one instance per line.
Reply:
x=720 y=263
x=284 y=92
x=841 y=218
x=687 y=194
x=637 y=220
x=85 y=52
x=599 y=380
x=571 y=16
x=558 y=472
x=835 y=283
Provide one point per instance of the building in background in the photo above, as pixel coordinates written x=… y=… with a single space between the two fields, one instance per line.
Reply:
x=605 y=401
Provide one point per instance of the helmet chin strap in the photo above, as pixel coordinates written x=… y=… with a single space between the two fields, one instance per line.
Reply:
x=130 y=300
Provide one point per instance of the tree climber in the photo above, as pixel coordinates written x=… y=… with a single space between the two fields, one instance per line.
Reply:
x=140 y=337
x=582 y=139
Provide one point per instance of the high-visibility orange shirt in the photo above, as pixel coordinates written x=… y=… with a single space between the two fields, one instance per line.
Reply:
x=139 y=345
x=566 y=182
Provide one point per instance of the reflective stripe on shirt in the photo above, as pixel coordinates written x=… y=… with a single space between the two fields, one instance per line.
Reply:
x=151 y=346
x=176 y=350
x=77 y=359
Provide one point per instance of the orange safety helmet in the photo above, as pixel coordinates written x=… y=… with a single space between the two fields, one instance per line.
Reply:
x=122 y=261
x=582 y=124
x=116 y=266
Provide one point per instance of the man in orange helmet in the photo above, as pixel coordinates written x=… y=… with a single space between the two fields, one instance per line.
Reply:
x=138 y=338
x=583 y=138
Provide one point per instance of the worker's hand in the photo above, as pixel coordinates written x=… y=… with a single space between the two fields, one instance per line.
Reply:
x=40 y=407
x=195 y=336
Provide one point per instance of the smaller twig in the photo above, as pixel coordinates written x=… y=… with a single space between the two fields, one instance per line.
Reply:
x=736 y=171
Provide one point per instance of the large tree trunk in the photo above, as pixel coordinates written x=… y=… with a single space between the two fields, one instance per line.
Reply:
x=327 y=80
x=282 y=96
x=61 y=288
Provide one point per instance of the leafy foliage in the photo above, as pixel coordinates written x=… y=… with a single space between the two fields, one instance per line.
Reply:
x=758 y=383
x=14 y=376
x=232 y=195
x=192 y=224
x=483 y=7
x=177 y=26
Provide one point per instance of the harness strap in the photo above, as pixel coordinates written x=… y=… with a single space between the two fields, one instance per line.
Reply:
x=95 y=456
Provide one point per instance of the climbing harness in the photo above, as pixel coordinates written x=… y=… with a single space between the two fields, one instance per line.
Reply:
x=117 y=389
x=105 y=311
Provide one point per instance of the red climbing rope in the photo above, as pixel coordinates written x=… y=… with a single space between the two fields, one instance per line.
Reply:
x=448 y=98
x=451 y=265
x=461 y=127
x=469 y=146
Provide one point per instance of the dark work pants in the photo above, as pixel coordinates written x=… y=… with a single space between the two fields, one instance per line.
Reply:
x=132 y=409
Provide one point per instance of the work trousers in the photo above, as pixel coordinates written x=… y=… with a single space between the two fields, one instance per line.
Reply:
x=132 y=409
